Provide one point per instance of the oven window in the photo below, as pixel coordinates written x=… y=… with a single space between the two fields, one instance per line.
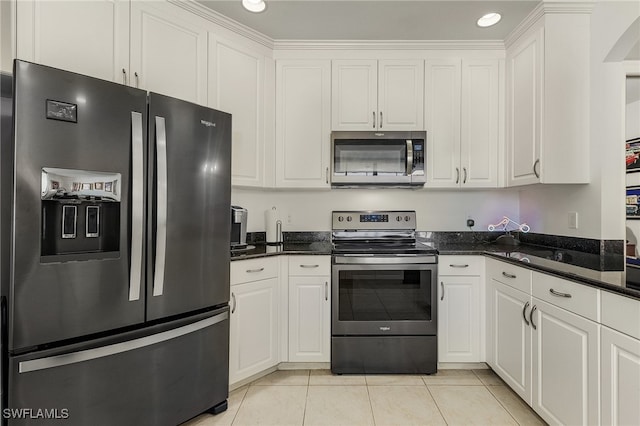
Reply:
x=370 y=158
x=384 y=295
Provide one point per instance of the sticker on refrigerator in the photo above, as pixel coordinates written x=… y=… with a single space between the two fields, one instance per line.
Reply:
x=63 y=111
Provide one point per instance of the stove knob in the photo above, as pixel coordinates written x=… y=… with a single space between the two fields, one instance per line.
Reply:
x=406 y=218
x=399 y=218
x=348 y=218
x=340 y=218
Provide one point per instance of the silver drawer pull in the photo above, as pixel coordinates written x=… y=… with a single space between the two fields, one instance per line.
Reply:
x=557 y=293
x=309 y=266
x=251 y=271
x=458 y=266
x=508 y=275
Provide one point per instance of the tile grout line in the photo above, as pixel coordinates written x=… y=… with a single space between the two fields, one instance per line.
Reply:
x=436 y=403
x=373 y=416
x=239 y=405
x=495 y=397
x=306 y=398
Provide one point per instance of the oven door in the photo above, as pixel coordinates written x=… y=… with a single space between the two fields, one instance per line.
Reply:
x=393 y=296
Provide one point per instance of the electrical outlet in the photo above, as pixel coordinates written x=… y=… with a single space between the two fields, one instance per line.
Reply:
x=470 y=223
x=289 y=220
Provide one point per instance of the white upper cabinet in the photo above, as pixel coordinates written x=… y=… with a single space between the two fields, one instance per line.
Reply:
x=548 y=102
x=89 y=38
x=237 y=86
x=462 y=99
x=303 y=129
x=152 y=45
x=168 y=51
x=377 y=95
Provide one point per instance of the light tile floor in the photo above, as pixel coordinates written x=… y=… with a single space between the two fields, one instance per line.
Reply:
x=316 y=397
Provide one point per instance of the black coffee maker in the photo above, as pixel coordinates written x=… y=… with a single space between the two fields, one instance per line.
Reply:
x=238 y=227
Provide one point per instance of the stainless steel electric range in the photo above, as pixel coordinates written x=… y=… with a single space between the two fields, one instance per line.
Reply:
x=384 y=302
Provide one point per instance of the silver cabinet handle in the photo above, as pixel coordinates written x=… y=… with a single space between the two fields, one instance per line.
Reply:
x=233 y=299
x=531 y=317
x=442 y=285
x=557 y=293
x=381 y=119
x=508 y=275
x=457 y=175
x=374 y=119
x=326 y=175
x=309 y=266
x=326 y=290
x=409 y=157
x=524 y=313
x=135 y=74
x=251 y=271
x=137 y=205
x=452 y=265
x=464 y=171
x=535 y=171
x=124 y=76
x=161 y=205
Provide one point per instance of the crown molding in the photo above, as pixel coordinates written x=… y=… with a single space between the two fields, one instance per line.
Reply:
x=388 y=45
x=547 y=8
x=223 y=21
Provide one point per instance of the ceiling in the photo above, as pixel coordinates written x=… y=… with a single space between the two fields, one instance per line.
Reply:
x=376 y=19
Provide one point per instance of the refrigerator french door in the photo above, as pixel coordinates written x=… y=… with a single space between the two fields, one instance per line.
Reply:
x=116 y=283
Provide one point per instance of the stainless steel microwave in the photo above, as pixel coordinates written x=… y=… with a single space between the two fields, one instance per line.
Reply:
x=377 y=159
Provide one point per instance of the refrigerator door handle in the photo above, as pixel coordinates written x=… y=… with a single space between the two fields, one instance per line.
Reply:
x=161 y=207
x=104 y=351
x=137 y=205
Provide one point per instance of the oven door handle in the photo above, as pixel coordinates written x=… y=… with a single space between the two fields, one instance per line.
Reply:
x=375 y=260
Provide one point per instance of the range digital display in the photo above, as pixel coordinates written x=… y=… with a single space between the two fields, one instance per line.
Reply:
x=374 y=218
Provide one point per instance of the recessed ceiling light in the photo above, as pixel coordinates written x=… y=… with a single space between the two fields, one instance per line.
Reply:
x=254 y=5
x=489 y=19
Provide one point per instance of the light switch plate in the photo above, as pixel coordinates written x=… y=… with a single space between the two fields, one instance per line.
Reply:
x=573 y=220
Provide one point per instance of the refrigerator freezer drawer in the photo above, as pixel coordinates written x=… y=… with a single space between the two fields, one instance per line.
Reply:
x=163 y=378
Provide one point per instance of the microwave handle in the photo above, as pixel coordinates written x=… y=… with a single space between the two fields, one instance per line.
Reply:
x=409 y=157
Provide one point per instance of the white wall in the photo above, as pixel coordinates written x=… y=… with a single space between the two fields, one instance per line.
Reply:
x=436 y=210
x=633 y=121
x=600 y=204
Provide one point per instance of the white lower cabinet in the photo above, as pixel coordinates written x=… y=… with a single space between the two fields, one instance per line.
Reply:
x=253 y=334
x=565 y=366
x=309 y=308
x=460 y=323
x=543 y=340
x=509 y=345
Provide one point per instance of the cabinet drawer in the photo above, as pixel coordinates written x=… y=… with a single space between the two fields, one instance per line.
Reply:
x=309 y=265
x=509 y=274
x=244 y=271
x=621 y=313
x=460 y=265
x=577 y=298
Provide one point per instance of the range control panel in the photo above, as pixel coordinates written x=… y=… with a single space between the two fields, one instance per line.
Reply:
x=370 y=220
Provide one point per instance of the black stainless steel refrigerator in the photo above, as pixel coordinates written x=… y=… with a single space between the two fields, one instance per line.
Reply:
x=114 y=243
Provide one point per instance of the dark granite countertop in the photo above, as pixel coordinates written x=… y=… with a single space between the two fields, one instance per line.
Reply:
x=605 y=272
x=287 y=248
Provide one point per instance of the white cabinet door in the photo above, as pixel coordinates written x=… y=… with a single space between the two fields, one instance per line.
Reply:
x=459 y=322
x=309 y=319
x=236 y=86
x=523 y=110
x=566 y=363
x=480 y=125
x=401 y=95
x=354 y=94
x=620 y=378
x=303 y=126
x=253 y=336
x=89 y=37
x=442 y=100
x=168 y=51
x=509 y=337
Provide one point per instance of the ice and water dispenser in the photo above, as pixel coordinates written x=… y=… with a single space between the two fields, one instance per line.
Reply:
x=80 y=212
